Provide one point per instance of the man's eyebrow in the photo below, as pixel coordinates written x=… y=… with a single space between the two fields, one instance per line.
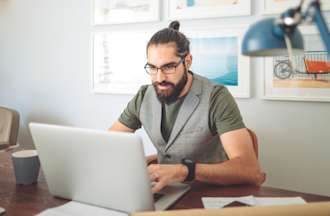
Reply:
x=167 y=64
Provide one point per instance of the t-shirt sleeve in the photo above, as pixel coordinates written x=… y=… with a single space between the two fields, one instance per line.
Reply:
x=224 y=113
x=130 y=116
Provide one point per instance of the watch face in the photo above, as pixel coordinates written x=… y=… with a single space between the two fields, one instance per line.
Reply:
x=188 y=161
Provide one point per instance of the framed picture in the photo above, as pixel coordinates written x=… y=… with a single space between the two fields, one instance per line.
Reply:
x=118 y=62
x=306 y=77
x=125 y=11
x=279 y=6
x=216 y=55
x=194 y=9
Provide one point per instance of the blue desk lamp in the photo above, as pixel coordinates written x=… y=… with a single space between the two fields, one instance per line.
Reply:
x=277 y=36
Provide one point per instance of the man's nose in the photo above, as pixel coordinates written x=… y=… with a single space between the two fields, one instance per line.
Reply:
x=160 y=76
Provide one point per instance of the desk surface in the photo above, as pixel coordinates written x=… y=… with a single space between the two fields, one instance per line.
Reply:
x=32 y=199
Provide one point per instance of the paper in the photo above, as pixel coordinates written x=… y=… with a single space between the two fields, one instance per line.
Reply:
x=279 y=200
x=2 y=211
x=220 y=202
x=79 y=209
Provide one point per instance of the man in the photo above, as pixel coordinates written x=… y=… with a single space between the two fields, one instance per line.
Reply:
x=194 y=124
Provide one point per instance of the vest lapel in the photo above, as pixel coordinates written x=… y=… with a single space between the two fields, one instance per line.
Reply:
x=157 y=108
x=188 y=107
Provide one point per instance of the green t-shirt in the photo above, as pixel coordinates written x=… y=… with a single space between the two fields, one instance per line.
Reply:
x=224 y=114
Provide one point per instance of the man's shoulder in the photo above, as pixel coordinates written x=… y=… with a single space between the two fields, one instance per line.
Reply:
x=143 y=90
x=144 y=87
x=220 y=92
x=219 y=88
x=138 y=98
x=216 y=87
x=215 y=90
x=207 y=81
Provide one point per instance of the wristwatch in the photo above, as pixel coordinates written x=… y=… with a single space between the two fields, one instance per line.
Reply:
x=190 y=164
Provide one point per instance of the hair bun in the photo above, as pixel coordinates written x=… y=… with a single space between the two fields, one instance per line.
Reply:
x=174 y=25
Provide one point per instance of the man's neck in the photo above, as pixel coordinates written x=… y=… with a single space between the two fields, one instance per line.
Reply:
x=188 y=85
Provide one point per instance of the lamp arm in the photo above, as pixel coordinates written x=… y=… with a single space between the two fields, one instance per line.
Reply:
x=314 y=10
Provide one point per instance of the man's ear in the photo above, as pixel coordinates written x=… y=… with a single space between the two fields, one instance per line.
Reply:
x=188 y=60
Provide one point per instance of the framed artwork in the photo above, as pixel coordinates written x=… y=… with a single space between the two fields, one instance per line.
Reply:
x=279 y=6
x=118 y=62
x=306 y=77
x=125 y=11
x=216 y=55
x=194 y=9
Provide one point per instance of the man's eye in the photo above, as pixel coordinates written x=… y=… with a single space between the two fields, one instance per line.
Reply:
x=168 y=67
x=151 y=67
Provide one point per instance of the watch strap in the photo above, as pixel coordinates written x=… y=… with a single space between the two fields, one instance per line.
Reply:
x=191 y=165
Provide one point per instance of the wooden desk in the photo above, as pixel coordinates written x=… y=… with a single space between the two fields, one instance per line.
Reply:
x=32 y=199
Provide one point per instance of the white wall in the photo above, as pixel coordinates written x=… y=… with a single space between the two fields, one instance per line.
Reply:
x=45 y=61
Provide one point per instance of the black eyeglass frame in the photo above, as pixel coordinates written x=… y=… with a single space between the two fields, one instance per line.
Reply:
x=172 y=69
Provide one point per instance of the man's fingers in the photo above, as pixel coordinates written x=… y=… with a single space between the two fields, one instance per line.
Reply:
x=153 y=172
x=157 y=187
x=152 y=168
x=153 y=176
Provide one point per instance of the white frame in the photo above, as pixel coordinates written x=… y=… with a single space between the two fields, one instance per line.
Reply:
x=152 y=15
x=242 y=8
x=271 y=7
x=243 y=88
x=294 y=94
x=128 y=72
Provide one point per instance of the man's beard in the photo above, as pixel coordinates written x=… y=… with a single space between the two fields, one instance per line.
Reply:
x=172 y=93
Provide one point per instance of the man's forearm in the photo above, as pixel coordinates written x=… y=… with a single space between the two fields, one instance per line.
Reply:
x=234 y=171
x=118 y=126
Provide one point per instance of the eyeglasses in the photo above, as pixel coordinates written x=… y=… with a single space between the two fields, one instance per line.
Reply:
x=166 y=69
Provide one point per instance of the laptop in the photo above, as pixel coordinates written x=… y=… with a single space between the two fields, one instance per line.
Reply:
x=101 y=168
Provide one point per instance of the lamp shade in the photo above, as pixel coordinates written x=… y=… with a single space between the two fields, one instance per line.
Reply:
x=266 y=38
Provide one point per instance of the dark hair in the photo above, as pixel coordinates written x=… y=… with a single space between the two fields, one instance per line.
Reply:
x=171 y=35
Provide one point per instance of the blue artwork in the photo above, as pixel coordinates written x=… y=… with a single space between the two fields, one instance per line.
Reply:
x=190 y=3
x=216 y=58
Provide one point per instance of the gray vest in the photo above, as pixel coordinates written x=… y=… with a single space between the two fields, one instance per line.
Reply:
x=190 y=137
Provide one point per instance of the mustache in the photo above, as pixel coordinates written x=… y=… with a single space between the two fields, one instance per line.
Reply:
x=163 y=83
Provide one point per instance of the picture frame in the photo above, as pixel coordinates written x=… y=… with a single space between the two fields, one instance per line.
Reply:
x=216 y=56
x=116 y=70
x=197 y=9
x=308 y=80
x=279 y=6
x=125 y=11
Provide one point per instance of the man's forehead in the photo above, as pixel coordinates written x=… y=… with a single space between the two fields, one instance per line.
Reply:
x=168 y=48
x=161 y=54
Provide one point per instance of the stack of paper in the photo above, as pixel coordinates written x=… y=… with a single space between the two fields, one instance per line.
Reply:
x=220 y=202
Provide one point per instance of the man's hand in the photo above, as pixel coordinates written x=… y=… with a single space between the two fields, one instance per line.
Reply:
x=164 y=174
x=151 y=159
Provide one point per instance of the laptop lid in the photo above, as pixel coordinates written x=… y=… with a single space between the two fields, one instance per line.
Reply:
x=106 y=169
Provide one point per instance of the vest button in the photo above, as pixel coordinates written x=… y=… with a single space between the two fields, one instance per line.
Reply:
x=167 y=156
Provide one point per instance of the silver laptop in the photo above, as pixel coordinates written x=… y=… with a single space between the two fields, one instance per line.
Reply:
x=106 y=169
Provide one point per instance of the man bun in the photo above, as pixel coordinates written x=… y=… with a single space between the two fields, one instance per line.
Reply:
x=174 y=25
x=171 y=34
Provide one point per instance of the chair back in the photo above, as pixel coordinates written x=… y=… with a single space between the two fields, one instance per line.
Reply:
x=9 y=125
